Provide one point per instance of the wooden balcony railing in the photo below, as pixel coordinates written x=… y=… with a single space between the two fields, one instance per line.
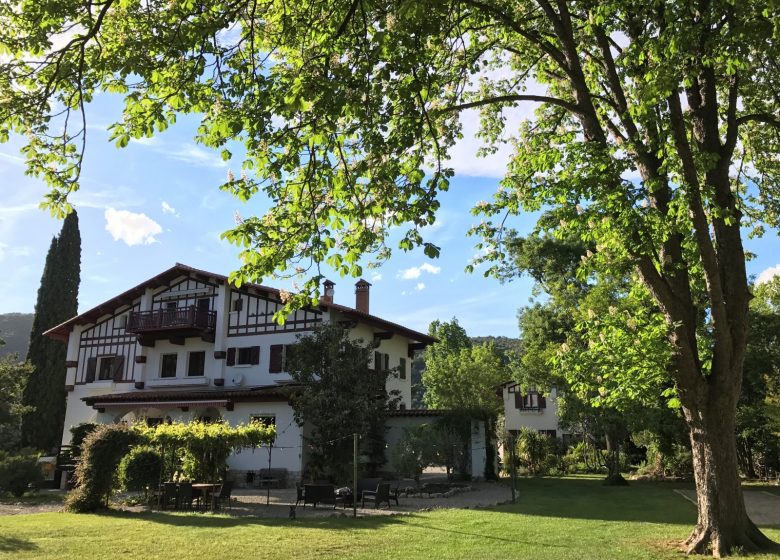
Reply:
x=184 y=318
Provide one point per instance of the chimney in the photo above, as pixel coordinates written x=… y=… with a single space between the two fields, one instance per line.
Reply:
x=327 y=295
x=361 y=296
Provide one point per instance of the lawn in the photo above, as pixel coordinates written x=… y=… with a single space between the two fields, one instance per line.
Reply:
x=572 y=518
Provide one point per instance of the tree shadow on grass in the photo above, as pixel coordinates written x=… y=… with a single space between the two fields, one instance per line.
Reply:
x=221 y=521
x=12 y=544
x=588 y=498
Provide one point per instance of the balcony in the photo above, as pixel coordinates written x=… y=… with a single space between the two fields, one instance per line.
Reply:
x=172 y=324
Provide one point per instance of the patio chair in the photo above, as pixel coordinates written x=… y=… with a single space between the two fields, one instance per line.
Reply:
x=185 y=496
x=378 y=496
x=225 y=493
x=168 y=495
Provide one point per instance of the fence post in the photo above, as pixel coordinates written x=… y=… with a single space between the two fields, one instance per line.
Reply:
x=512 y=466
x=354 y=473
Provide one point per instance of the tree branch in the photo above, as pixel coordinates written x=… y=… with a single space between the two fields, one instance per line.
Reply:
x=571 y=107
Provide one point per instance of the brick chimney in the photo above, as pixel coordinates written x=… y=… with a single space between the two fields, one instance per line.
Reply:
x=361 y=296
x=327 y=294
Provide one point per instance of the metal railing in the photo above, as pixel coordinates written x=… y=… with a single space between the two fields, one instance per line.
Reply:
x=171 y=319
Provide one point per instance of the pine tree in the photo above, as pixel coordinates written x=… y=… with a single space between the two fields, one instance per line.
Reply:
x=57 y=302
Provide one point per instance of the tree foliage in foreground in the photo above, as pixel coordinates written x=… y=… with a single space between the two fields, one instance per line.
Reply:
x=341 y=394
x=347 y=111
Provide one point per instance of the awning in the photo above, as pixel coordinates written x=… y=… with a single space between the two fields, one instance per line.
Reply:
x=159 y=404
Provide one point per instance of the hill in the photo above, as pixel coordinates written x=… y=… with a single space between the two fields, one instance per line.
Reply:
x=15 y=331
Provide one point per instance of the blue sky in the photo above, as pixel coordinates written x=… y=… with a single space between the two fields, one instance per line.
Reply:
x=156 y=202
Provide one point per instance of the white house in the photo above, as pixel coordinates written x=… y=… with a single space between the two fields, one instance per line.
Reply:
x=531 y=409
x=186 y=344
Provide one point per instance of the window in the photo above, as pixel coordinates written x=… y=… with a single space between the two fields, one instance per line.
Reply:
x=168 y=365
x=278 y=358
x=268 y=420
x=106 y=368
x=264 y=419
x=170 y=305
x=204 y=304
x=246 y=356
x=196 y=364
x=120 y=322
x=381 y=361
x=402 y=368
x=238 y=304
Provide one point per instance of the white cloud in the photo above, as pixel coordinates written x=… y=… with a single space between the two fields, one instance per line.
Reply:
x=168 y=209
x=415 y=271
x=195 y=155
x=7 y=250
x=132 y=228
x=768 y=274
x=420 y=286
x=376 y=277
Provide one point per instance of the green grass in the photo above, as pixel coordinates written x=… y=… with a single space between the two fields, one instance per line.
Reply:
x=573 y=518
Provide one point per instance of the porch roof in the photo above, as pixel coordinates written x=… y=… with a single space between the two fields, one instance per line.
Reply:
x=277 y=393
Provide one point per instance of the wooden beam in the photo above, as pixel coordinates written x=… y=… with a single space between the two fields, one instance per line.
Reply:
x=220 y=354
x=413 y=347
x=139 y=384
x=71 y=363
x=177 y=340
x=146 y=342
x=140 y=359
x=386 y=335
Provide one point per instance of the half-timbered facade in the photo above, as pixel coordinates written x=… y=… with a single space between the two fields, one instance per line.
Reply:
x=186 y=344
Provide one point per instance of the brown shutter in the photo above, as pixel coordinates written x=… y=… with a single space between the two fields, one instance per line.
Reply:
x=377 y=361
x=542 y=401
x=91 y=369
x=119 y=368
x=254 y=355
x=402 y=368
x=387 y=362
x=277 y=353
x=231 y=357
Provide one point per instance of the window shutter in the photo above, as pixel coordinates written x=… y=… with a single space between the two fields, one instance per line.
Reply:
x=254 y=355
x=542 y=402
x=402 y=368
x=387 y=362
x=91 y=369
x=377 y=361
x=238 y=304
x=231 y=357
x=277 y=353
x=519 y=401
x=119 y=368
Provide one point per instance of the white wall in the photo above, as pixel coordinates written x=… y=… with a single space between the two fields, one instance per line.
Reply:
x=545 y=419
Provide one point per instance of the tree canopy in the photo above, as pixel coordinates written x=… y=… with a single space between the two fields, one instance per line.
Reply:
x=655 y=139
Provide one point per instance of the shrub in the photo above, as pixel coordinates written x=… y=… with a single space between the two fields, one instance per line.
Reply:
x=140 y=468
x=535 y=451
x=81 y=431
x=18 y=472
x=101 y=452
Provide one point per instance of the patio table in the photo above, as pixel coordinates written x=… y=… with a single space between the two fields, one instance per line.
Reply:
x=209 y=491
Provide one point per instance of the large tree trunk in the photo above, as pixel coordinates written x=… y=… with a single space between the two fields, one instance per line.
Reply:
x=723 y=525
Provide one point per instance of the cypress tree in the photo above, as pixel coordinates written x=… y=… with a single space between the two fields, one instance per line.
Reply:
x=57 y=302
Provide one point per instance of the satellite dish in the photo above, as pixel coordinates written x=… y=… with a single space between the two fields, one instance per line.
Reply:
x=238 y=379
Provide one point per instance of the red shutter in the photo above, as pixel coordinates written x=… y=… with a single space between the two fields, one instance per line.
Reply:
x=275 y=364
x=254 y=355
x=91 y=369
x=231 y=356
x=119 y=368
